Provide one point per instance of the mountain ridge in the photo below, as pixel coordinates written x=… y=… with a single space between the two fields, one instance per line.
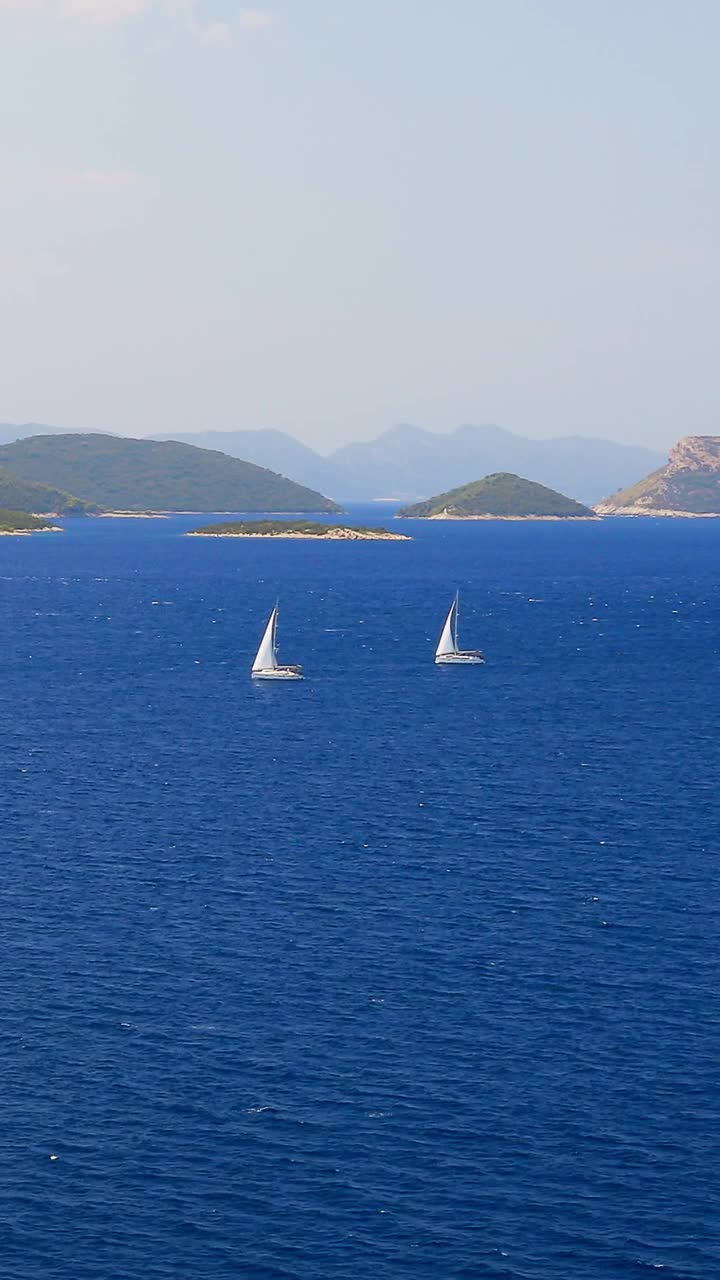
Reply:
x=426 y=462
x=407 y=462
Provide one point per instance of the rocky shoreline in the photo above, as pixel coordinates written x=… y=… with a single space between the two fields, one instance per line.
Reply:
x=333 y=535
x=16 y=533
x=663 y=513
x=443 y=515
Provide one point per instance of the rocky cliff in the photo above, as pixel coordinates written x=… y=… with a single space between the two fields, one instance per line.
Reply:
x=688 y=485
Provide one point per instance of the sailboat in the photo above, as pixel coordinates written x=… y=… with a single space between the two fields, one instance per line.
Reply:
x=266 y=665
x=447 y=650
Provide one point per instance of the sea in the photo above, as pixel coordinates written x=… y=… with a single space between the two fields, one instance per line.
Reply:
x=399 y=971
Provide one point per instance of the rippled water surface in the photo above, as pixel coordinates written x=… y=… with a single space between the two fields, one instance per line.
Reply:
x=400 y=971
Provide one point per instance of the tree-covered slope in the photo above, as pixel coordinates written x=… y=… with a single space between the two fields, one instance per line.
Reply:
x=503 y=495
x=151 y=475
x=27 y=495
x=21 y=522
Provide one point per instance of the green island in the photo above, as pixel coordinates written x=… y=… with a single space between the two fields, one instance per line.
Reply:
x=22 y=522
x=688 y=485
x=502 y=496
x=138 y=477
x=295 y=529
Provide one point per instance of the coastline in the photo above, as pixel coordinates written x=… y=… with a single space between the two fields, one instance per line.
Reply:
x=17 y=533
x=635 y=513
x=339 y=535
x=560 y=519
x=165 y=515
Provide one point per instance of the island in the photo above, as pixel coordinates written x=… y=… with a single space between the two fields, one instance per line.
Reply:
x=295 y=529
x=687 y=486
x=22 y=522
x=501 y=496
x=119 y=474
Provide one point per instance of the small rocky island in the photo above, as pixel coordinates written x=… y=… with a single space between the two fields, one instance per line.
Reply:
x=23 y=522
x=502 y=496
x=688 y=485
x=295 y=529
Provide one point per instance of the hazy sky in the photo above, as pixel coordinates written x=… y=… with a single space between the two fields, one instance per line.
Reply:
x=331 y=215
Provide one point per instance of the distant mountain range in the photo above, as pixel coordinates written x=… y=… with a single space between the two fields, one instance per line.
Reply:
x=407 y=463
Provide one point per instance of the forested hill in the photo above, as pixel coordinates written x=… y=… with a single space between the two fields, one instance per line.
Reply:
x=502 y=495
x=120 y=474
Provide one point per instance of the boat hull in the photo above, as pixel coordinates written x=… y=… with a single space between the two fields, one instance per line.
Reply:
x=470 y=657
x=278 y=673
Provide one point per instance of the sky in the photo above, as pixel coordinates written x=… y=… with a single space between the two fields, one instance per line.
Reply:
x=328 y=216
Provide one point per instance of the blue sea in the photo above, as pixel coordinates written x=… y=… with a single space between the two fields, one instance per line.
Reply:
x=398 y=971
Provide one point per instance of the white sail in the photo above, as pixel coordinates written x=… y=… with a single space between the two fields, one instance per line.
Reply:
x=447 y=642
x=266 y=657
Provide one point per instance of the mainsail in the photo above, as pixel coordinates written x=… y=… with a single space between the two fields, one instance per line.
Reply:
x=448 y=643
x=266 y=657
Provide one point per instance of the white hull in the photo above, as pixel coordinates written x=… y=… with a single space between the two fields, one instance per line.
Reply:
x=455 y=659
x=278 y=673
